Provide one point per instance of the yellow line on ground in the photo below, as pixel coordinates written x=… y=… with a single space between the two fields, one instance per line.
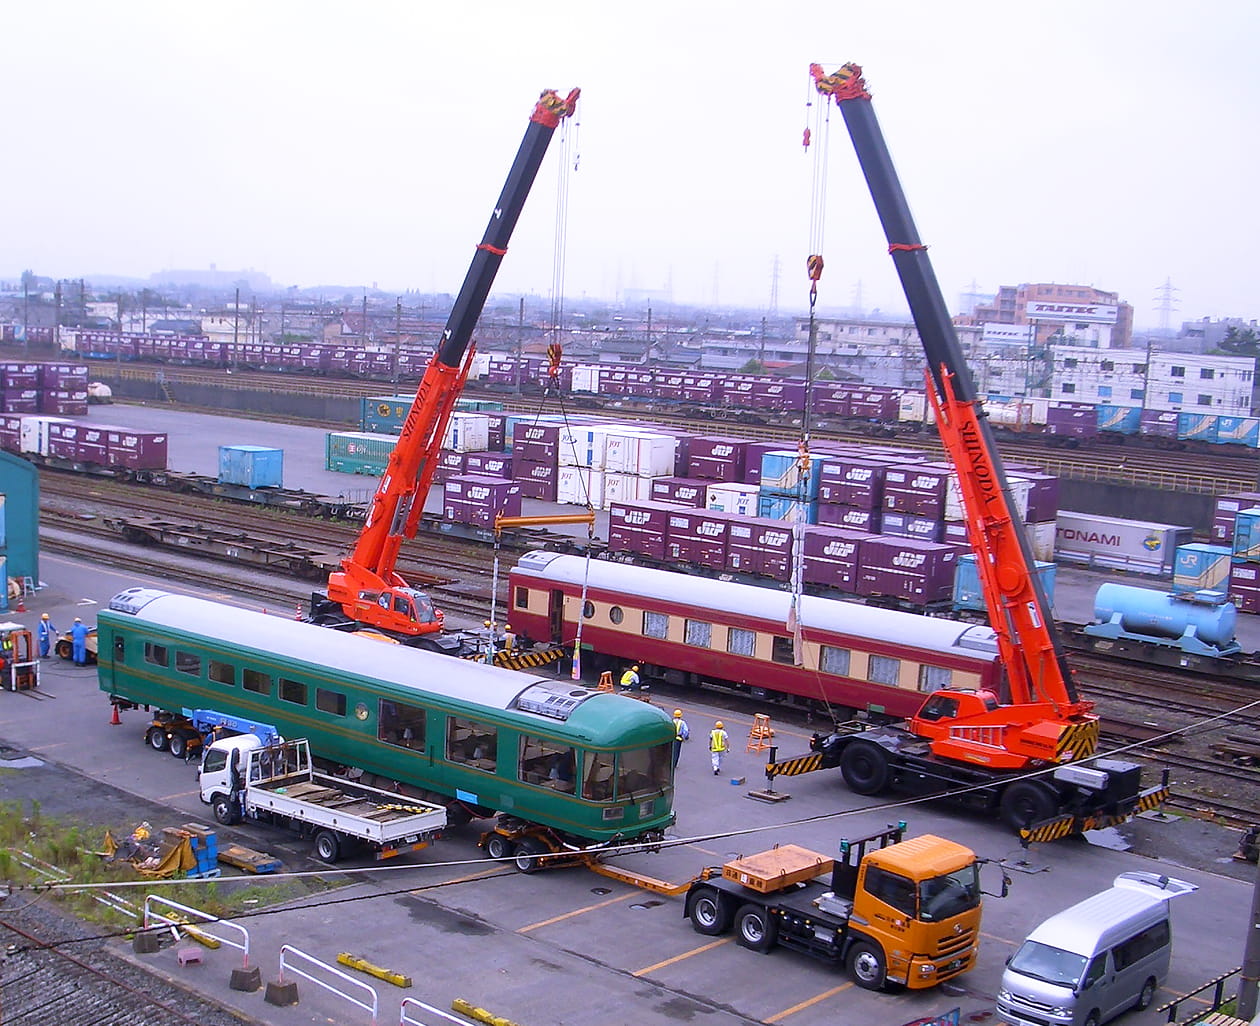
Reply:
x=498 y=867
x=678 y=958
x=181 y=794
x=62 y=744
x=576 y=912
x=780 y=1016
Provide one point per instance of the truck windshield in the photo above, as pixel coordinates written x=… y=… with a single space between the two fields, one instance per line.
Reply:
x=944 y=897
x=1043 y=962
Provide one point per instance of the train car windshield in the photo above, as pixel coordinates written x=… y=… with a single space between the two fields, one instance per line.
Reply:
x=627 y=775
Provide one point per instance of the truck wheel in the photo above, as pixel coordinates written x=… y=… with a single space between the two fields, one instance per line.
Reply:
x=156 y=739
x=327 y=846
x=527 y=855
x=756 y=929
x=221 y=806
x=867 y=966
x=865 y=767
x=1147 y=995
x=709 y=915
x=1025 y=802
x=178 y=745
x=499 y=847
x=63 y=650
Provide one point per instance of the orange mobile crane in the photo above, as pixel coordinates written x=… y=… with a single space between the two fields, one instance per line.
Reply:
x=367 y=590
x=970 y=743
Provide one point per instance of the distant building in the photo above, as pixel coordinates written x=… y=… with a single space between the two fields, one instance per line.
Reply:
x=1154 y=380
x=1078 y=315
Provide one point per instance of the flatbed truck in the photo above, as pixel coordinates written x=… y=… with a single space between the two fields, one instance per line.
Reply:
x=891 y=910
x=246 y=778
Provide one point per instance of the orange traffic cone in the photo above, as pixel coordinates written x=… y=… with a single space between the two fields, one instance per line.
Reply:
x=297 y=613
x=115 y=720
x=21 y=606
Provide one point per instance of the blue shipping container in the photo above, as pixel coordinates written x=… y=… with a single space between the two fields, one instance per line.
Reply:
x=780 y=474
x=1197 y=427
x=1247 y=534
x=787 y=509
x=1238 y=431
x=967 y=592
x=251 y=465
x=1125 y=420
x=1200 y=567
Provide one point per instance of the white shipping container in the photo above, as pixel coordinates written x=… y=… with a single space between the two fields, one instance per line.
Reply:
x=642 y=453
x=740 y=499
x=583 y=446
x=913 y=408
x=1020 y=490
x=467 y=432
x=578 y=486
x=626 y=488
x=33 y=434
x=585 y=378
x=1124 y=544
x=1041 y=540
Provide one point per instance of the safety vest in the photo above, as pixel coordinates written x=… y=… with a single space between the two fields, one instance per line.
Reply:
x=681 y=733
x=717 y=741
x=628 y=679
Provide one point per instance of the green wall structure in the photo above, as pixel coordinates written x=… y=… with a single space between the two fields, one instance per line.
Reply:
x=19 y=529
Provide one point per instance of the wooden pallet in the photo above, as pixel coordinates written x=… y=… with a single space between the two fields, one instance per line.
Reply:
x=247 y=859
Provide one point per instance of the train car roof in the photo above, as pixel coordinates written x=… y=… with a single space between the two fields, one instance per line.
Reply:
x=400 y=665
x=764 y=603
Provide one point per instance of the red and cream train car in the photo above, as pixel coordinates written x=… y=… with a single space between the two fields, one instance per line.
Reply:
x=696 y=630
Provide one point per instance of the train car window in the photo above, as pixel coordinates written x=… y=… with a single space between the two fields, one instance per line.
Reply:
x=401 y=724
x=588 y=610
x=740 y=641
x=521 y=597
x=222 y=673
x=655 y=625
x=597 y=784
x=933 y=678
x=332 y=702
x=472 y=743
x=256 y=681
x=883 y=670
x=834 y=660
x=120 y=649
x=698 y=634
x=546 y=763
x=292 y=691
x=616 y=614
x=642 y=770
x=188 y=662
x=891 y=888
x=782 y=650
x=156 y=654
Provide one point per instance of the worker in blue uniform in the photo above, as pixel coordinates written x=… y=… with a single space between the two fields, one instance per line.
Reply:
x=78 y=638
x=47 y=631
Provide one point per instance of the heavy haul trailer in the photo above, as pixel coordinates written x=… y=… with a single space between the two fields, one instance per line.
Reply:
x=890 y=910
x=245 y=778
x=1033 y=756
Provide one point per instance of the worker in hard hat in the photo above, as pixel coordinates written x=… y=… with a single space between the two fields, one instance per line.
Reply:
x=630 y=679
x=78 y=642
x=681 y=733
x=47 y=631
x=719 y=742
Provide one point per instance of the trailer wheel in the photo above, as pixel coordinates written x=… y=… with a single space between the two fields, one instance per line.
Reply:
x=527 y=855
x=756 y=929
x=709 y=915
x=178 y=745
x=867 y=966
x=156 y=739
x=63 y=650
x=1025 y=802
x=865 y=767
x=327 y=846
x=221 y=806
x=499 y=847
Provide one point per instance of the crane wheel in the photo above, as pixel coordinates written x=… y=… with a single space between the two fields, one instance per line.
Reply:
x=1026 y=802
x=865 y=767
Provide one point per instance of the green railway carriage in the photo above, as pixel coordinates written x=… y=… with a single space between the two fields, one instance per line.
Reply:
x=590 y=767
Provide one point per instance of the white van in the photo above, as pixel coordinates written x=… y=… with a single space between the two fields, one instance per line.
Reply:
x=1101 y=957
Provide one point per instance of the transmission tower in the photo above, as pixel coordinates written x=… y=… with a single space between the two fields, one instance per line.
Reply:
x=1165 y=303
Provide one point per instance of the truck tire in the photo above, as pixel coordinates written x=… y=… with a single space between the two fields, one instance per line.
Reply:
x=499 y=847
x=867 y=965
x=1025 y=802
x=221 y=806
x=155 y=738
x=327 y=846
x=708 y=913
x=1147 y=994
x=527 y=855
x=865 y=767
x=756 y=929
x=178 y=745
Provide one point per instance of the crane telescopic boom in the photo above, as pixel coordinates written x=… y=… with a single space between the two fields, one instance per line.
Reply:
x=367 y=586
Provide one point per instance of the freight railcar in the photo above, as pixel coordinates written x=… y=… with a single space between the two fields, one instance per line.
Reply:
x=587 y=768
x=699 y=631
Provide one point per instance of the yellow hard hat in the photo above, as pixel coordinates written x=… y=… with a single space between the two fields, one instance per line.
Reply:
x=635 y=667
x=718 y=725
x=677 y=712
x=44 y=616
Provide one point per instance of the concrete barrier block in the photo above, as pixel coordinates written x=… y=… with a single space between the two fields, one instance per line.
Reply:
x=248 y=980
x=145 y=943
x=281 y=994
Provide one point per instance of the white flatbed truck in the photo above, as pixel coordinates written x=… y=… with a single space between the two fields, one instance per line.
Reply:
x=244 y=778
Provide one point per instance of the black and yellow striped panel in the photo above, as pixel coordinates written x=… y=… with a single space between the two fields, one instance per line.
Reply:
x=512 y=659
x=1050 y=830
x=795 y=767
x=1077 y=741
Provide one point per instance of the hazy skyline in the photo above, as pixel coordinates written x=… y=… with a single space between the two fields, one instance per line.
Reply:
x=1102 y=144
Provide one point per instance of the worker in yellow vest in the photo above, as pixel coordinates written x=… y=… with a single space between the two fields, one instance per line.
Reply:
x=630 y=679
x=718 y=744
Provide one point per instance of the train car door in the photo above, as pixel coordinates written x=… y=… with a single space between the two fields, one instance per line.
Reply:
x=555 y=616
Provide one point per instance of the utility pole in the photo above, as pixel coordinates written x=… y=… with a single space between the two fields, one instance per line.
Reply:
x=520 y=344
x=397 y=334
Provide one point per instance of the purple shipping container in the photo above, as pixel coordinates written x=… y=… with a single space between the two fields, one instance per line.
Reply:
x=477 y=499
x=1244 y=586
x=919 y=490
x=1159 y=424
x=921 y=573
x=81 y=443
x=852 y=481
x=10 y=432
x=639 y=528
x=537 y=480
x=832 y=556
x=954 y=532
x=449 y=464
x=906 y=525
x=136 y=450
x=497 y=431
x=1225 y=512
x=492 y=464
x=717 y=458
x=831 y=514
x=63 y=376
x=1072 y=420
x=752 y=460
x=760 y=547
x=698 y=537
x=538 y=443
x=679 y=491
x=17 y=377
x=20 y=402
x=63 y=407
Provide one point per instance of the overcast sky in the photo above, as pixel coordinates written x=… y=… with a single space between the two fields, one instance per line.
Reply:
x=1107 y=143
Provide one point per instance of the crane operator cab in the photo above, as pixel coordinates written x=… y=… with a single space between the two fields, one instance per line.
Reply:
x=408 y=607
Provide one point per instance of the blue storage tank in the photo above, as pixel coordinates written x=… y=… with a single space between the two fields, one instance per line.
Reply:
x=253 y=466
x=1124 y=420
x=969 y=597
x=1201 y=624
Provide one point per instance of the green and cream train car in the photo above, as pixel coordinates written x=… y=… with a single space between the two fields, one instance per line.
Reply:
x=588 y=768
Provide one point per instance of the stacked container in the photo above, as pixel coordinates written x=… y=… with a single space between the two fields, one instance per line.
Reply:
x=1199 y=567
x=476 y=499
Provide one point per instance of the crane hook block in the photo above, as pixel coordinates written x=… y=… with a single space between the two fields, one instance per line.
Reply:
x=550 y=108
x=814 y=265
x=845 y=84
